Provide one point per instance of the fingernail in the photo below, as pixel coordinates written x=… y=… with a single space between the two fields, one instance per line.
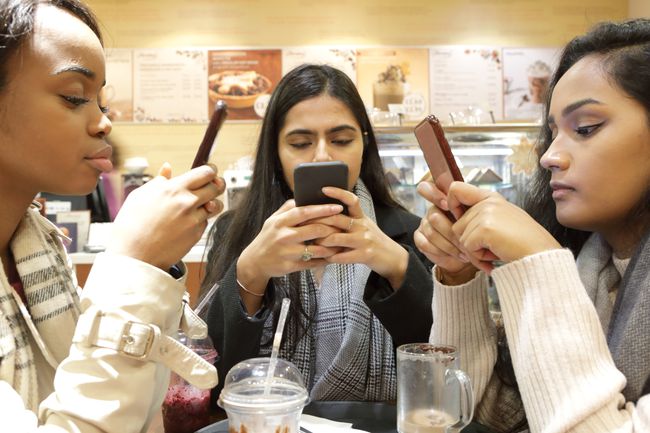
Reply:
x=444 y=204
x=336 y=208
x=210 y=206
x=463 y=258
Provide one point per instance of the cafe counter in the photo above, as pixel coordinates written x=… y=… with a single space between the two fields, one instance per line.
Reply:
x=194 y=259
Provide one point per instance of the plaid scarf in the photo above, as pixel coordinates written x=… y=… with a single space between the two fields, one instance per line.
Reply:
x=348 y=354
x=50 y=288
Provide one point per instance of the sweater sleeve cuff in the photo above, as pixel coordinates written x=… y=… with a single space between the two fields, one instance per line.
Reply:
x=452 y=307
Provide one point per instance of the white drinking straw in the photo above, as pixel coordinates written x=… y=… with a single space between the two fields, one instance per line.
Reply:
x=277 y=339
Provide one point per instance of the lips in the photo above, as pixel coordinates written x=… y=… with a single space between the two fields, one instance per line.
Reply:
x=101 y=160
x=560 y=189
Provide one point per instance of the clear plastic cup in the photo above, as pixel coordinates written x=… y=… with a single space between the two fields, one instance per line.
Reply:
x=255 y=406
x=186 y=408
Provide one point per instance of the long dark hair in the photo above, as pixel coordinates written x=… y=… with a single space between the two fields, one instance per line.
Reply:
x=268 y=189
x=17 y=24
x=625 y=51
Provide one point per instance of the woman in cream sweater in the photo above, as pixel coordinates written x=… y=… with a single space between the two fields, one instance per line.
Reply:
x=578 y=331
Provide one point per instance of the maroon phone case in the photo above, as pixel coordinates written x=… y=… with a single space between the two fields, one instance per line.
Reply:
x=216 y=121
x=437 y=153
x=429 y=152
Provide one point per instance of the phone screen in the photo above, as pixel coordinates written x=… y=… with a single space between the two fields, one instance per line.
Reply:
x=216 y=121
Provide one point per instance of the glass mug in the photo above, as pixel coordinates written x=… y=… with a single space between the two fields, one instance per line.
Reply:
x=433 y=394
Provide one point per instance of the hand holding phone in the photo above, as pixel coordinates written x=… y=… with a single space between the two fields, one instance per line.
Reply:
x=438 y=155
x=310 y=178
x=216 y=121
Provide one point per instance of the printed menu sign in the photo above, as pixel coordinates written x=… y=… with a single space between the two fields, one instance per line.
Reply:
x=466 y=84
x=391 y=79
x=526 y=75
x=344 y=59
x=169 y=85
x=244 y=79
x=118 y=92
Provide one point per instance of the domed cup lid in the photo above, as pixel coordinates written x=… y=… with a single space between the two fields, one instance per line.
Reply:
x=246 y=388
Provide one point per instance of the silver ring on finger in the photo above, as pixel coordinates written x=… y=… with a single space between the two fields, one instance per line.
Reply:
x=306 y=254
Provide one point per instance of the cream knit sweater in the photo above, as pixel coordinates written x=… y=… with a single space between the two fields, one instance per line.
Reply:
x=565 y=373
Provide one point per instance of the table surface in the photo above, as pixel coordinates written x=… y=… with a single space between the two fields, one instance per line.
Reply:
x=374 y=417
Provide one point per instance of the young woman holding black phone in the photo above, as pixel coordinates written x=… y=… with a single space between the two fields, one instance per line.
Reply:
x=578 y=331
x=355 y=280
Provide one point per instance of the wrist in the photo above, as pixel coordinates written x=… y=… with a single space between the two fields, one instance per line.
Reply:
x=398 y=273
x=249 y=279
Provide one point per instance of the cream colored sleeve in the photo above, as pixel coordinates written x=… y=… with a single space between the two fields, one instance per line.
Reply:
x=461 y=318
x=97 y=389
x=566 y=375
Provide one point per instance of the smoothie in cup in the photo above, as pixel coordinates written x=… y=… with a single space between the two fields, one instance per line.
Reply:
x=186 y=408
x=254 y=405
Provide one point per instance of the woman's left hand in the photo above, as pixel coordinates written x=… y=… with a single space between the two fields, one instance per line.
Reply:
x=363 y=241
x=492 y=228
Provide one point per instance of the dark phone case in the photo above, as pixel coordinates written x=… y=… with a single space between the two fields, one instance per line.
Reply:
x=430 y=151
x=309 y=179
x=216 y=121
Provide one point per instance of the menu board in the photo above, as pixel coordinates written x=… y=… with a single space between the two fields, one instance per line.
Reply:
x=344 y=59
x=466 y=84
x=244 y=79
x=169 y=85
x=394 y=79
x=118 y=91
x=526 y=75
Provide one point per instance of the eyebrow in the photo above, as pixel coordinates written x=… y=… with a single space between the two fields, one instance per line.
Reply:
x=573 y=107
x=329 y=131
x=75 y=68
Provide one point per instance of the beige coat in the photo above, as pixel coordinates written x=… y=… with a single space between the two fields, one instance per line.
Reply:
x=100 y=361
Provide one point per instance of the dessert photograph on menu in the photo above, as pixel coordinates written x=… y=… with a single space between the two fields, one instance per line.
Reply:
x=243 y=79
x=394 y=79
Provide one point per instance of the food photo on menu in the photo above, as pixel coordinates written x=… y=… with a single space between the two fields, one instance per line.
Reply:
x=243 y=79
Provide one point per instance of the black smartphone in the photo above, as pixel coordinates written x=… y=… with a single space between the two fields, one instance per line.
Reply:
x=216 y=121
x=437 y=153
x=309 y=179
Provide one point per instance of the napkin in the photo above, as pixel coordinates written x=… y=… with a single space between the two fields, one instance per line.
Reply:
x=315 y=424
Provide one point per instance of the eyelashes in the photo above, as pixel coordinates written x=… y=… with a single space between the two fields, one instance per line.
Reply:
x=77 y=101
x=341 y=143
x=588 y=130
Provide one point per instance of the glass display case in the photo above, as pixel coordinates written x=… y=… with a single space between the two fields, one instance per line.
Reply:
x=499 y=157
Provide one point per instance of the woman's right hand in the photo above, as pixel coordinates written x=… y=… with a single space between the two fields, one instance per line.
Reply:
x=278 y=248
x=161 y=220
x=437 y=241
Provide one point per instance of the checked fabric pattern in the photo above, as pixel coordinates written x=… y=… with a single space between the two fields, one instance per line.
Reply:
x=348 y=354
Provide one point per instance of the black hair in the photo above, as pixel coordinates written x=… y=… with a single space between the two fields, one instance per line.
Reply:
x=17 y=25
x=624 y=49
x=268 y=189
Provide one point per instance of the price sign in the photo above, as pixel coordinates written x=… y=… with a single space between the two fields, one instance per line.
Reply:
x=414 y=105
x=260 y=104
